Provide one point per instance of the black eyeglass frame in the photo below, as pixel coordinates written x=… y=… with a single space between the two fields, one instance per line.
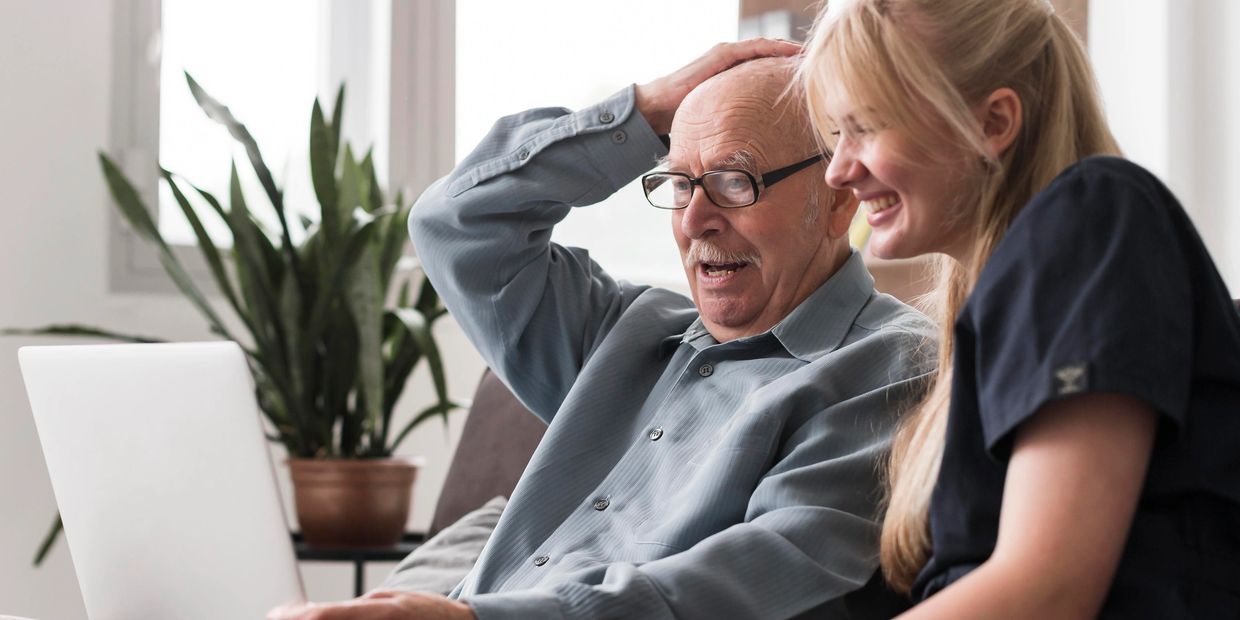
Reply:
x=768 y=179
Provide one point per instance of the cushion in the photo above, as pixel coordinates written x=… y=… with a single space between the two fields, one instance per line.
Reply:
x=497 y=440
x=443 y=561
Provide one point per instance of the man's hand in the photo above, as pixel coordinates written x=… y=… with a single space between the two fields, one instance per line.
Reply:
x=379 y=605
x=658 y=100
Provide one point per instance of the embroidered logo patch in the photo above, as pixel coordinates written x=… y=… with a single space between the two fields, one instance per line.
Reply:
x=1071 y=379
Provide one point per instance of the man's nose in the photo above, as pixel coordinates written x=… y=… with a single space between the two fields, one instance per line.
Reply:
x=844 y=169
x=701 y=217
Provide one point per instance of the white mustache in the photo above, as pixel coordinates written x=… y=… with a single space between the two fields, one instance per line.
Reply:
x=711 y=254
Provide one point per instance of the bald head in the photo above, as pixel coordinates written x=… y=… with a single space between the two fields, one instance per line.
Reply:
x=757 y=105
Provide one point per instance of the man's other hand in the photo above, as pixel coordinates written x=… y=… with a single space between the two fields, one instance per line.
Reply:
x=658 y=100
x=379 y=605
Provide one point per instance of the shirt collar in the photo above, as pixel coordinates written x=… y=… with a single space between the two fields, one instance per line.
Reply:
x=818 y=326
x=814 y=328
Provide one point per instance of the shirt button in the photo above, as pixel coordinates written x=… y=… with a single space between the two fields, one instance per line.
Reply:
x=606 y=117
x=524 y=154
x=706 y=370
x=655 y=434
x=540 y=560
x=601 y=503
x=619 y=137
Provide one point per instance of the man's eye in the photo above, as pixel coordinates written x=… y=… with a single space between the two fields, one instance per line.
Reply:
x=681 y=185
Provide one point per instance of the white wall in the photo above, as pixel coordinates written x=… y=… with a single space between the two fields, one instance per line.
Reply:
x=55 y=67
x=1170 y=76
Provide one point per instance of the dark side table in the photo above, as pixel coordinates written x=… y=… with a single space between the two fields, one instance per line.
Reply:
x=359 y=556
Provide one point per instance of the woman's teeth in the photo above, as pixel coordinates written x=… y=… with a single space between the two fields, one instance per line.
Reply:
x=881 y=203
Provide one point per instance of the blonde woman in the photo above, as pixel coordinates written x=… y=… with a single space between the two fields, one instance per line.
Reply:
x=1079 y=454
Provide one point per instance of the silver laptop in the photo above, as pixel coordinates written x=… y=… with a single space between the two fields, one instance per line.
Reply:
x=163 y=478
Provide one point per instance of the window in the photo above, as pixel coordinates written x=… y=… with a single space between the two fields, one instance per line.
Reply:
x=268 y=80
x=266 y=60
x=516 y=55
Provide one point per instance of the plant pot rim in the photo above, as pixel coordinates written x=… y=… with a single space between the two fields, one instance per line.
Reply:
x=390 y=461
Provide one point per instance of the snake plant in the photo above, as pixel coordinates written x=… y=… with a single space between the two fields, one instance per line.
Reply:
x=329 y=357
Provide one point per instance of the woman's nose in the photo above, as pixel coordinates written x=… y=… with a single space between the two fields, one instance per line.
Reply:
x=845 y=169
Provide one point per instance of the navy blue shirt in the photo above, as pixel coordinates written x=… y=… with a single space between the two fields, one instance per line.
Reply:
x=1102 y=285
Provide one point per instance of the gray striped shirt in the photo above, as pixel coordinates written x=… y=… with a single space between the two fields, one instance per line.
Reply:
x=680 y=477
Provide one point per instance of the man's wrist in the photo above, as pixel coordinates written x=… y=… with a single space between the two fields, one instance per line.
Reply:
x=656 y=113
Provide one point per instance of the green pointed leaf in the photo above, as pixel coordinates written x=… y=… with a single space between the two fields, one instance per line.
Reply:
x=395 y=239
x=428 y=300
x=72 y=329
x=220 y=113
x=337 y=120
x=207 y=246
x=139 y=218
x=366 y=305
x=323 y=168
x=332 y=282
x=351 y=185
x=440 y=410
x=402 y=299
x=374 y=196
x=49 y=539
x=420 y=330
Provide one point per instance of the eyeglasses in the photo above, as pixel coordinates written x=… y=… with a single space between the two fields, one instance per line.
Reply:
x=730 y=189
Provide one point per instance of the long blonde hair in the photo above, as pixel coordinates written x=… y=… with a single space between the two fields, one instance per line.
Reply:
x=922 y=66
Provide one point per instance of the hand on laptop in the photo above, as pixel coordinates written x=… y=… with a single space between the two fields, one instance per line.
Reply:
x=379 y=605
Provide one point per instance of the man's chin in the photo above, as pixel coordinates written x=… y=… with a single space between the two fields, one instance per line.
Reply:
x=726 y=316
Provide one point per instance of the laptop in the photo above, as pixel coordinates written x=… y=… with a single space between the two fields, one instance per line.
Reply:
x=164 y=480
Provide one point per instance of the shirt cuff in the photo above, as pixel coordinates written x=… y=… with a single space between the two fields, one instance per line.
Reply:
x=624 y=145
x=517 y=605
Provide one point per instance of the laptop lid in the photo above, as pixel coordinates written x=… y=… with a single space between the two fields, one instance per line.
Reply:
x=165 y=484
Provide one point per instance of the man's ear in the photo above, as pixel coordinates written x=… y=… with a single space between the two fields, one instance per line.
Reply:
x=840 y=208
x=1001 y=120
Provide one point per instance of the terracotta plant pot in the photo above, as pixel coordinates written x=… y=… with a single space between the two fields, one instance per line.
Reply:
x=353 y=503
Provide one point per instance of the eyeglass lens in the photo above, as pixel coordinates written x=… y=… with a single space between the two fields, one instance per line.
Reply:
x=726 y=188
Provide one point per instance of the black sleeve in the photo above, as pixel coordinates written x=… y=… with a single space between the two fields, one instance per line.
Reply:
x=1088 y=292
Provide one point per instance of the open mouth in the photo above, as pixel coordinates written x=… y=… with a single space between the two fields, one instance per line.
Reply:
x=721 y=270
x=880 y=204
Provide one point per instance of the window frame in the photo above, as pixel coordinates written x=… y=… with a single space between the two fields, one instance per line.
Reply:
x=418 y=101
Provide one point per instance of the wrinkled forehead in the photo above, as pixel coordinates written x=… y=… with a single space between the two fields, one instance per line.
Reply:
x=715 y=142
x=745 y=113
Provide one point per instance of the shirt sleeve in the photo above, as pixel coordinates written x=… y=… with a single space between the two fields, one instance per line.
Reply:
x=808 y=538
x=532 y=308
x=1088 y=292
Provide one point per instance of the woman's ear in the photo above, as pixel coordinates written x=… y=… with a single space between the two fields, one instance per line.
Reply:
x=1000 y=117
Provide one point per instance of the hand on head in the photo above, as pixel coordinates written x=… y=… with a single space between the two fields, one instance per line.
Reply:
x=658 y=100
x=379 y=605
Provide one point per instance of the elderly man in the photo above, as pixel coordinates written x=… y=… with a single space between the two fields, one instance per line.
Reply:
x=706 y=458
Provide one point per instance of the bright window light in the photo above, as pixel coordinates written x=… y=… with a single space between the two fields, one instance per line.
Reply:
x=517 y=55
x=263 y=60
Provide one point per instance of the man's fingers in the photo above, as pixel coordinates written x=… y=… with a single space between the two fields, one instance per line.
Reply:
x=658 y=100
x=343 y=610
x=736 y=53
